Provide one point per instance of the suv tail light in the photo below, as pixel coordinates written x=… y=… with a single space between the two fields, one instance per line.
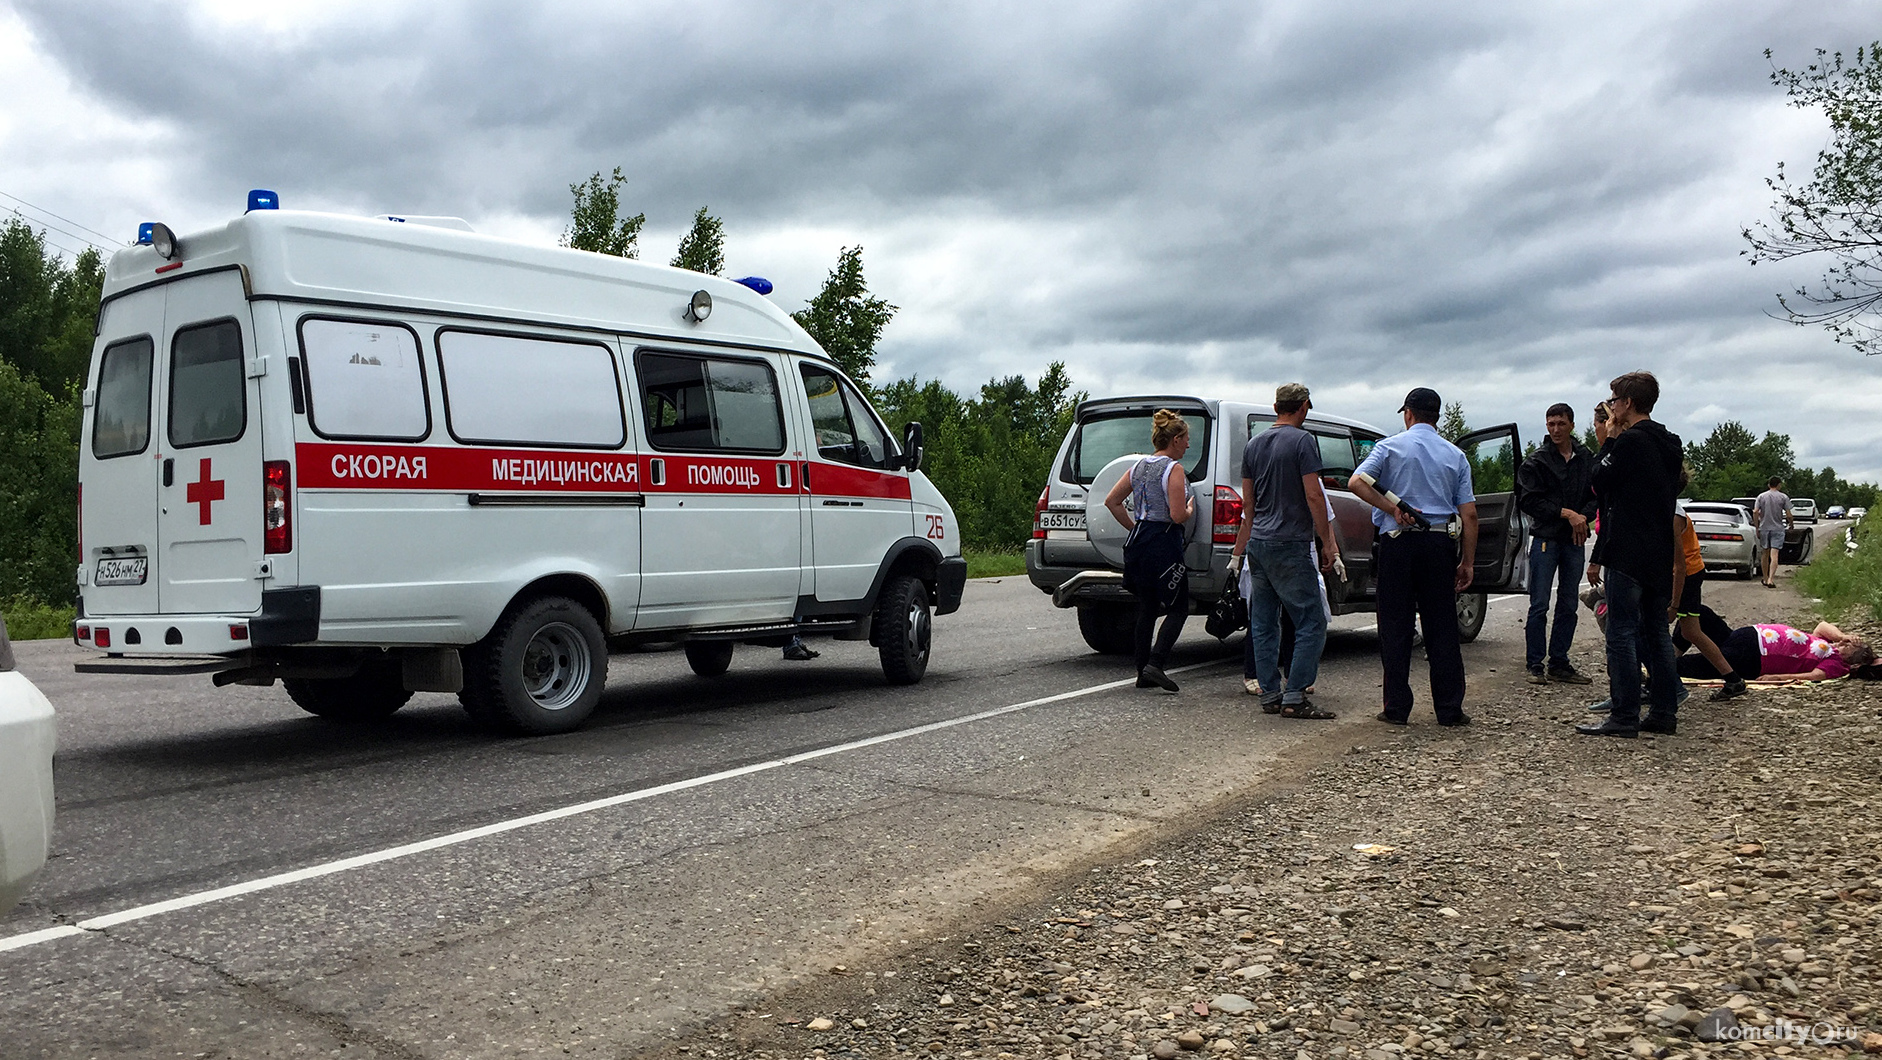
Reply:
x=1228 y=515
x=1038 y=510
x=277 y=507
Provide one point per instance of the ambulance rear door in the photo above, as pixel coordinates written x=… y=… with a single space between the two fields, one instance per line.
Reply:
x=119 y=460
x=209 y=490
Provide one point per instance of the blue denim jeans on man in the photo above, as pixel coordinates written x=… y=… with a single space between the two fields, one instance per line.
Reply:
x=1282 y=575
x=1553 y=565
x=1637 y=625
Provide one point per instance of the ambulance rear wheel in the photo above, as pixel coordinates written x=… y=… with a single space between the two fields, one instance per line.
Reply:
x=374 y=693
x=709 y=658
x=540 y=671
x=904 y=629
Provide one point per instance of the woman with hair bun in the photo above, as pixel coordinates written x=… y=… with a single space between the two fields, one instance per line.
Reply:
x=1154 y=572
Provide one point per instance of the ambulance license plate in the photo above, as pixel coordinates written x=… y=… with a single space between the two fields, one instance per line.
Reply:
x=1061 y=520
x=121 y=571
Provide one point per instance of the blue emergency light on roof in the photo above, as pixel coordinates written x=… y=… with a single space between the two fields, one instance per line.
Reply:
x=144 y=233
x=756 y=283
x=263 y=199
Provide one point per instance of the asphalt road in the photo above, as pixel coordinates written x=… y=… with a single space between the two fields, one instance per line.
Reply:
x=752 y=830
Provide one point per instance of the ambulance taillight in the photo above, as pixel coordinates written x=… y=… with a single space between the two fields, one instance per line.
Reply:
x=277 y=495
x=1226 y=523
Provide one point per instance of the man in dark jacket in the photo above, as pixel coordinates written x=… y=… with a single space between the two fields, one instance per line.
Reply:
x=1636 y=482
x=1554 y=486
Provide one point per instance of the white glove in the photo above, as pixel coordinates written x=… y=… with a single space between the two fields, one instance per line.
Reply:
x=1339 y=567
x=1235 y=566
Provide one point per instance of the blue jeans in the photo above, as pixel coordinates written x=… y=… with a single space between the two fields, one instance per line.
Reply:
x=1637 y=625
x=1551 y=562
x=1282 y=575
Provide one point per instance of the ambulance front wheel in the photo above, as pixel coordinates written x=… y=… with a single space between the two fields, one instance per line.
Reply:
x=373 y=693
x=904 y=629
x=709 y=658
x=540 y=671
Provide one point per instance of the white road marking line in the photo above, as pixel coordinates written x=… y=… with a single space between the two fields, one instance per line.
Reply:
x=311 y=872
x=34 y=938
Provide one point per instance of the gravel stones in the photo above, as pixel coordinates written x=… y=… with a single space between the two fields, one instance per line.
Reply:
x=1264 y=932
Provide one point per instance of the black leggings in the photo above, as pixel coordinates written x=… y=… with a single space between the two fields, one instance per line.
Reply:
x=1148 y=608
x=1740 y=649
x=1154 y=573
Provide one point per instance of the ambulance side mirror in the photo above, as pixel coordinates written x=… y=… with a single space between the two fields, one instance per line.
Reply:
x=910 y=460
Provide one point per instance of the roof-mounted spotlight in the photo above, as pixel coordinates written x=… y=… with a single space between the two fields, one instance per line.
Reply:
x=699 y=308
x=263 y=199
x=157 y=236
x=756 y=283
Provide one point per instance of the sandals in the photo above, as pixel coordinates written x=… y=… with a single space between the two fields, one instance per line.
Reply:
x=1306 y=712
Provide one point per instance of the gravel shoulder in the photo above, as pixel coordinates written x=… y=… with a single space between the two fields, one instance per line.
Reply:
x=1508 y=890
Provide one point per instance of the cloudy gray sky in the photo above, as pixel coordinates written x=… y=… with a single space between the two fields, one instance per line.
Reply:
x=1509 y=202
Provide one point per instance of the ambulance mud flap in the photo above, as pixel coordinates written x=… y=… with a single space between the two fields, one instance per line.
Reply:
x=288 y=616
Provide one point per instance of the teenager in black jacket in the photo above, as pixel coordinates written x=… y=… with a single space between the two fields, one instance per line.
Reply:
x=1554 y=484
x=1636 y=481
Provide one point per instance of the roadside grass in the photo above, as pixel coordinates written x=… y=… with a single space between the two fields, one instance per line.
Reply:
x=994 y=563
x=28 y=619
x=1844 y=581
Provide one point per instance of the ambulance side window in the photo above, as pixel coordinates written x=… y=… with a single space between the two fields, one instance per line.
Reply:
x=846 y=430
x=364 y=380
x=208 y=398
x=710 y=404
x=121 y=425
x=521 y=390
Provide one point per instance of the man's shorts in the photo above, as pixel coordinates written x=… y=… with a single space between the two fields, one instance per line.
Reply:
x=1689 y=595
x=1770 y=539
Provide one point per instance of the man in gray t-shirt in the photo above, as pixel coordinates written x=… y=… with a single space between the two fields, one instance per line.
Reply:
x=1284 y=511
x=1772 y=514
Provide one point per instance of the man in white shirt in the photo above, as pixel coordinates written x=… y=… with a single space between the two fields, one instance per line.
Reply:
x=1772 y=514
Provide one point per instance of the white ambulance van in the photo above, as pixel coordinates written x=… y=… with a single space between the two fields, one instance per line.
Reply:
x=367 y=456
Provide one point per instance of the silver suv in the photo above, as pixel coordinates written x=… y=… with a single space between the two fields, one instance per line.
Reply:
x=1076 y=551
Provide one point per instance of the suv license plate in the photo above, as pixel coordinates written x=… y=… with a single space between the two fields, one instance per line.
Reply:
x=1061 y=520
x=121 y=571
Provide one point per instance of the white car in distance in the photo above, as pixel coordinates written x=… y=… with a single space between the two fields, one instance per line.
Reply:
x=27 y=738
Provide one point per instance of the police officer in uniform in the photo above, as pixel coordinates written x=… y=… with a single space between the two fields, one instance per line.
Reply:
x=1426 y=514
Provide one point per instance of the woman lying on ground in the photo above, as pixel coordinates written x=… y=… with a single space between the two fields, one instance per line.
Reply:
x=1824 y=654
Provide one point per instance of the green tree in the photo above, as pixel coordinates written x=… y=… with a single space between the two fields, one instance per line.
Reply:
x=595 y=222
x=46 y=307
x=1452 y=425
x=702 y=248
x=1837 y=213
x=845 y=319
x=38 y=489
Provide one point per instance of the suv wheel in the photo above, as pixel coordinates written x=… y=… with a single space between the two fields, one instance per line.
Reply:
x=374 y=693
x=1471 y=607
x=1108 y=628
x=709 y=658
x=904 y=629
x=540 y=671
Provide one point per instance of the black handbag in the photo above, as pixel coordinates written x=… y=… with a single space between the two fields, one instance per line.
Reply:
x=1229 y=614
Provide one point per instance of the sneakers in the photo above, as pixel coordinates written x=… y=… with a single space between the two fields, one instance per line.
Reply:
x=1568 y=675
x=1537 y=677
x=1660 y=726
x=1734 y=687
x=1152 y=676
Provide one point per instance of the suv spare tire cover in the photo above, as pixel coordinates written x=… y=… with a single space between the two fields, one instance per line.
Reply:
x=1106 y=534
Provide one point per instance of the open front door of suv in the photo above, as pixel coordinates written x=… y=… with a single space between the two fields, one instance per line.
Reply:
x=1502 y=535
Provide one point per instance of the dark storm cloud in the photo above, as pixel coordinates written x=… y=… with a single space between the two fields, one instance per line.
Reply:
x=1500 y=199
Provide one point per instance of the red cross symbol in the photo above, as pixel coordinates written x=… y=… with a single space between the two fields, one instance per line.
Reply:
x=204 y=491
